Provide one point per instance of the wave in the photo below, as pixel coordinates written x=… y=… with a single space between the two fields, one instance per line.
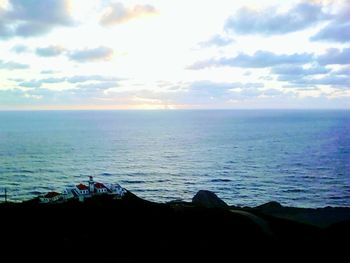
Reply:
x=106 y=174
x=26 y=171
x=132 y=182
x=345 y=197
x=294 y=191
x=220 y=180
x=35 y=192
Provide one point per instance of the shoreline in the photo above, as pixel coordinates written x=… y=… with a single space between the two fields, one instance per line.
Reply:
x=203 y=229
x=319 y=216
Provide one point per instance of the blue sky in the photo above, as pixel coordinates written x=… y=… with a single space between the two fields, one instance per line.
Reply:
x=184 y=54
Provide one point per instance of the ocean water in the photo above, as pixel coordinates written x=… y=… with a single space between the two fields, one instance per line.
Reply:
x=299 y=158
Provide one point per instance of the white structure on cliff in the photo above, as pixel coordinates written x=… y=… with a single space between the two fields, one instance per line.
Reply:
x=50 y=197
x=82 y=191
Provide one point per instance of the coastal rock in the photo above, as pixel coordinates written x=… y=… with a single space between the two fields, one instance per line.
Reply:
x=321 y=217
x=270 y=205
x=208 y=199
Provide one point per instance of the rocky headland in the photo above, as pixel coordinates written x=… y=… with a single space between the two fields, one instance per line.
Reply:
x=130 y=229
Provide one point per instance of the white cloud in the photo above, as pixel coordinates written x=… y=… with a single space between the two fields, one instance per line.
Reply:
x=19 y=49
x=50 y=51
x=33 y=18
x=117 y=13
x=10 y=65
x=217 y=40
x=270 y=21
x=270 y=59
x=91 y=55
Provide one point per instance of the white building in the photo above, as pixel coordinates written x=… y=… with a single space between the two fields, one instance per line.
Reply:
x=50 y=197
x=116 y=189
x=100 y=188
x=82 y=191
x=67 y=194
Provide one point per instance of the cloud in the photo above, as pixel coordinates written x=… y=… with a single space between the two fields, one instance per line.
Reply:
x=31 y=96
x=53 y=80
x=213 y=93
x=193 y=96
x=98 y=81
x=30 y=84
x=209 y=89
x=334 y=56
x=50 y=51
x=10 y=65
x=203 y=93
x=333 y=80
x=196 y=93
x=49 y=72
x=334 y=33
x=272 y=92
x=77 y=79
x=330 y=80
x=34 y=17
x=297 y=70
x=10 y=97
x=5 y=30
x=98 y=86
x=19 y=49
x=343 y=71
x=38 y=83
x=313 y=77
x=272 y=22
x=260 y=59
x=91 y=55
x=217 y=40
x=117 y=13
x=36 y=97
x=338 y=30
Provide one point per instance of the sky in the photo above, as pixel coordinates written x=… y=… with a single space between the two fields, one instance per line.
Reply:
x=183 y=54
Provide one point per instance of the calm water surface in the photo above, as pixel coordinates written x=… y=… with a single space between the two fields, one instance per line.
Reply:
x=299 y=158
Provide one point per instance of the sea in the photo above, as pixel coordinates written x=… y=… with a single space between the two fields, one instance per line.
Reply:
x=247 y=157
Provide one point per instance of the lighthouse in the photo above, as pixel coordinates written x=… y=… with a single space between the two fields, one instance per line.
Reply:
x=91 y=185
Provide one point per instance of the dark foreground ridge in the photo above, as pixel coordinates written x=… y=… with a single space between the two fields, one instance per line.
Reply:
x=104 y=229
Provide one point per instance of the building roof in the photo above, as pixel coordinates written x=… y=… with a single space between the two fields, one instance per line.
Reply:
x=51 y=195
x=99 y=185
x=82 y=187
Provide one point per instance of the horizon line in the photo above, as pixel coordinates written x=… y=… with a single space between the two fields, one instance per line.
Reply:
x=183 y=109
